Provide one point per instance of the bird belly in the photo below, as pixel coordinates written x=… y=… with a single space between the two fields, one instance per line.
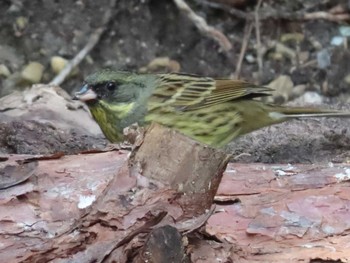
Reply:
x=215 y=126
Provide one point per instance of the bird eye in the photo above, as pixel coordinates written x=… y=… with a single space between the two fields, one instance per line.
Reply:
x=111 y=86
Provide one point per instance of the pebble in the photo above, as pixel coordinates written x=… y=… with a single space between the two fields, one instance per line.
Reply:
x=347 y=79
x=282 y=88
x=57 y=64
x=33 y=72
x=4 y=71
x=310 y=97
x=323 y=59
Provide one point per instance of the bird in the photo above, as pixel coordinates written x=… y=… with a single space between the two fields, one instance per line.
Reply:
x=213 y=111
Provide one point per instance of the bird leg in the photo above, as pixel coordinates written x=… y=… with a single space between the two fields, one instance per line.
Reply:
x=134 y=134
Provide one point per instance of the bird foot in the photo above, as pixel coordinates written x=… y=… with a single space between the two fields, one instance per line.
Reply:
x=134 y=134
x=118 y=146
x=241 y=155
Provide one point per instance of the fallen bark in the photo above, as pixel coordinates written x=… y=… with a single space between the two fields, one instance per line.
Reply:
x=113 y=207
x=85 y=207
x=94 y=208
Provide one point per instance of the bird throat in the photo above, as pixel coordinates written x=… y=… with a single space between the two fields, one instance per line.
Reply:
x=112 y=119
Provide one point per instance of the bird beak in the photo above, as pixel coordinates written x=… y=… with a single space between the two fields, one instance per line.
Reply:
x=85 y=94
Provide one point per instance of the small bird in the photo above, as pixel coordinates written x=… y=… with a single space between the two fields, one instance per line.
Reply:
x=211 y=111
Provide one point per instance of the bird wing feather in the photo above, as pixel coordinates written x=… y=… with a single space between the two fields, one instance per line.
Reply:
x=187 y=92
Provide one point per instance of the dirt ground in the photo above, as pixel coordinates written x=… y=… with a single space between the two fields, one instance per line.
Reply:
x=139 y=32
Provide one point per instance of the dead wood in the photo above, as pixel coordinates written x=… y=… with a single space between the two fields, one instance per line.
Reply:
x=100 y=207
x=187 y=166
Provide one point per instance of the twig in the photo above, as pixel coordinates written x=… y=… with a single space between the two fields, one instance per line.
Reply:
x=327 y=16
x=194 y=223
x=203 y=26
x=309 y=63
x=93 y=40
x=258 y=41
x=241 y=155
x=244 y=46
x=231 y=10
x=276 y=14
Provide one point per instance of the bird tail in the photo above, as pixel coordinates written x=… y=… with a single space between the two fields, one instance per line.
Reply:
x=281 y=112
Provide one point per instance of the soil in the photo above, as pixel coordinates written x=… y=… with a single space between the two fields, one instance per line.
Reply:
x=141 y=31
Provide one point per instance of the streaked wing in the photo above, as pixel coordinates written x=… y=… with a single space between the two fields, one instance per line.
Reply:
x=228 y=90
x=187 y=92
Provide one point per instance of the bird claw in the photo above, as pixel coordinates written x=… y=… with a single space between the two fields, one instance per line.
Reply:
x=118 y=147
x=134 y=134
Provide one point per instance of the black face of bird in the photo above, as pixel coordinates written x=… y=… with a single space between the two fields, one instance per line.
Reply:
x=92 y=93
x=105 y=90
x=110 y=92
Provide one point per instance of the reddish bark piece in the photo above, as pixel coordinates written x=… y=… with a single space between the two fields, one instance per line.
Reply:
x=12 y=174
x=40 y=215
x=285 y=213
x=93 y=208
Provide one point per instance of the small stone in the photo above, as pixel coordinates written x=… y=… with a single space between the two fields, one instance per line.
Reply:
x=323 y=59
x=337 y=41
x=303 y=56
x=286 y=51
x=344 y=31
x=21 y=23
x=282 y=88
x=276 y=56
x=310 y=97
x=347 y=79
x=33 y=72
x=57 y=64
x=297 y=37
x=89 y=60
x=298 y=90
x=162 y=63
x=4 y=71
x=250 y=58
x=15 y=7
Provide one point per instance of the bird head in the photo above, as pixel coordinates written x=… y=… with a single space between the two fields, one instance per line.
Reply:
x=112 y=87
